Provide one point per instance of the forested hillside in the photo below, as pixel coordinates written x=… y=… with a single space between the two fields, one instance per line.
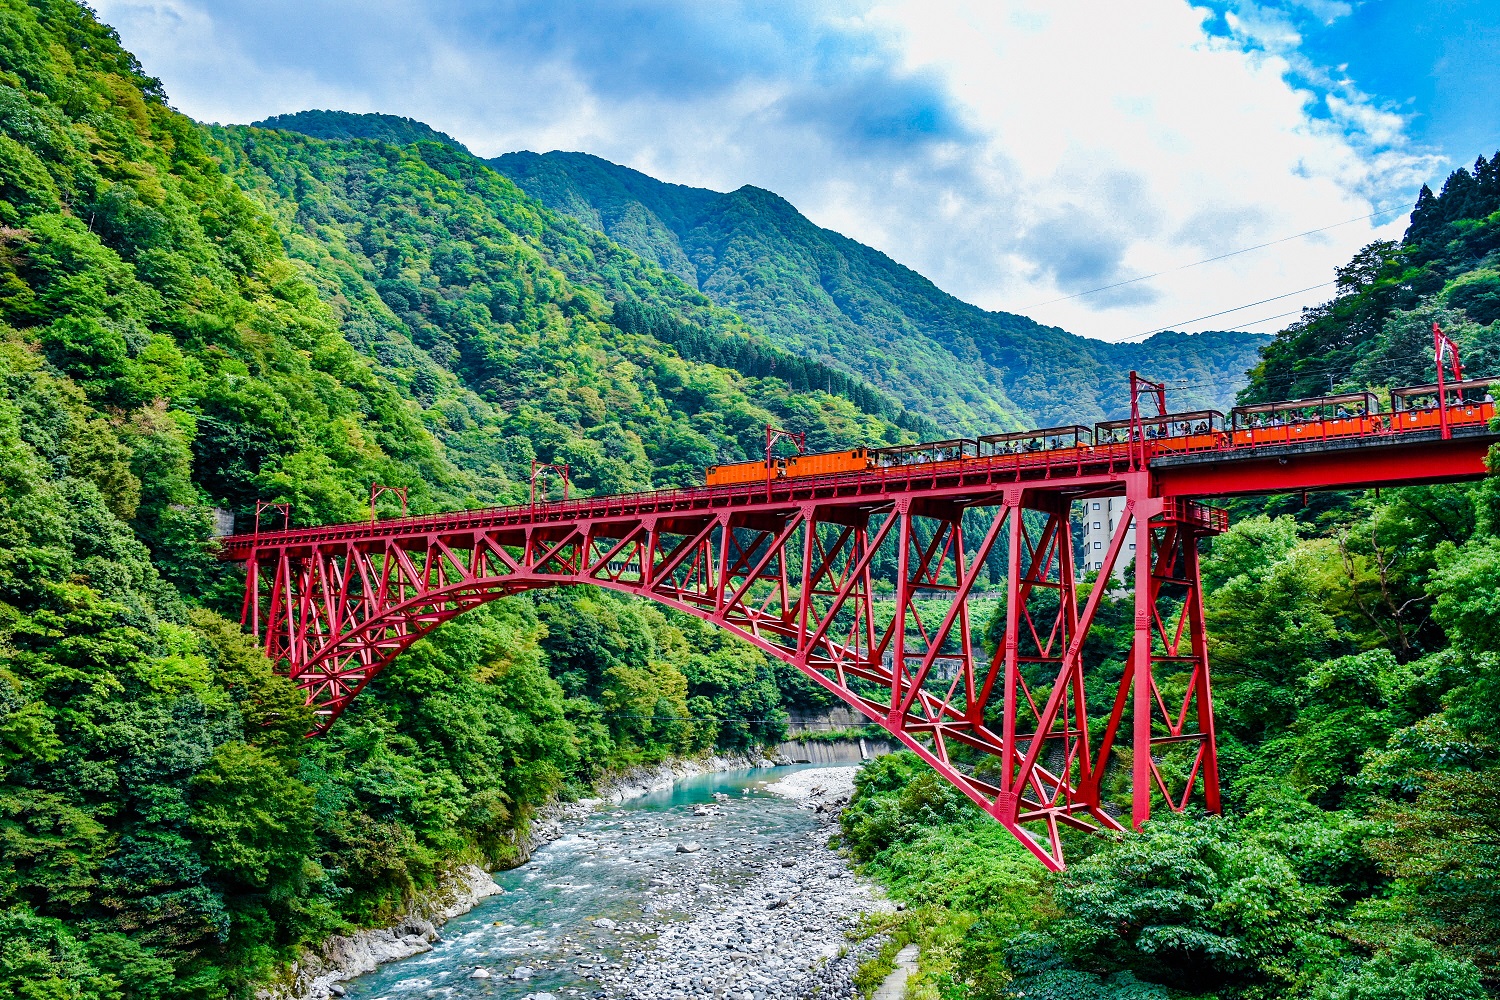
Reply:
x=828 y=297
x=1377 y=331
x=1356 y=668
x=393 y=129
x=193 y=318
x=450 y=188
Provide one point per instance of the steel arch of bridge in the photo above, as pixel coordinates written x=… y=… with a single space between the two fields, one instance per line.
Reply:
x=803 y=578
x=860 y=581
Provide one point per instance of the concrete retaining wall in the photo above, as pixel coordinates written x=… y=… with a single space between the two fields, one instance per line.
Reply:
x=833 y=751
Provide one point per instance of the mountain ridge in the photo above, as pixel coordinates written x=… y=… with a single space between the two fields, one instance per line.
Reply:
x=849 y=307
x=710 y=239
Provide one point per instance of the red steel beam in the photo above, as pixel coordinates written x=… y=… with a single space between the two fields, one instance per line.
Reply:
x=1353 y=466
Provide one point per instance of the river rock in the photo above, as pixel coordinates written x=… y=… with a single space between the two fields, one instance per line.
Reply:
x=480 y=973
x=689 y=847
x=606 y=923
x=523 y=972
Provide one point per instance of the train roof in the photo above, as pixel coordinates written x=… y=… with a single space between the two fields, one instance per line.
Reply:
x=903 y=449
x=1431 y=387
x=1367 y=398
x=1165 y=418
x=1077 y=429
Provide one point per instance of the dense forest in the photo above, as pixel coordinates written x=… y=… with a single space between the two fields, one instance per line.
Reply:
x=1357 y=694
x=193 y=318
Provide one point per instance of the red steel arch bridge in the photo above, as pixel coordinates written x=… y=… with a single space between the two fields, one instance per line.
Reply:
x=861 y=580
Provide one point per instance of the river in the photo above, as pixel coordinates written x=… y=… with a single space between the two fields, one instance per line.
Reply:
x=717 y=887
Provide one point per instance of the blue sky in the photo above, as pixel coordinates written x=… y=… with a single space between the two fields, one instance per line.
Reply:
x=1437 y=64
x=1021 y=153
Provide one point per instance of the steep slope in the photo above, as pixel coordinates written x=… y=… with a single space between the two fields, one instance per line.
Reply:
x=171 y=343
x=829 y=297
x=449 y=273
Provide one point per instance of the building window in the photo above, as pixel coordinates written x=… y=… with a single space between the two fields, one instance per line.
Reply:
x=1096 y=525
x=1132 y=546
x=1098 y=565
x=1096 y=504
x=1100 y=545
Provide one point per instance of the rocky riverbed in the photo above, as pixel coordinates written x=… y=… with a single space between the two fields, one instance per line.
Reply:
x=719 y=888
x=781 y=936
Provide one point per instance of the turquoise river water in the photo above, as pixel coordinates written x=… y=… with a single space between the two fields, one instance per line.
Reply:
x=621 y=864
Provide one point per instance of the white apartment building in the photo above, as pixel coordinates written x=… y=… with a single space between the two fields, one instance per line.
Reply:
x=1101 y=517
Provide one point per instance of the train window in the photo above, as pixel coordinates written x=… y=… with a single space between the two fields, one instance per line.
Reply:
x=1292 y=412
x=1042 y=439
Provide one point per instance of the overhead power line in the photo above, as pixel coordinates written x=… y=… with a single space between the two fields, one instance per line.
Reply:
x=1210 y=260
x=1245 y=327
x=1224 y=312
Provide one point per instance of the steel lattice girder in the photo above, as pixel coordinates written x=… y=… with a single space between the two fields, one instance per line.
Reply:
x=804 y=581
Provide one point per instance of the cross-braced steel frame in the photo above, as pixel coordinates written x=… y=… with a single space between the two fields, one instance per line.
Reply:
x=868 y=595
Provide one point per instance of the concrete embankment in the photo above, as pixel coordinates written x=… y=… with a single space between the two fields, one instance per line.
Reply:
x=854 y=751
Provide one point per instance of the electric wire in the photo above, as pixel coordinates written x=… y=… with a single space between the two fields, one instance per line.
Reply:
x=1210 y=260
x=1223 y=312
x=1245 y=327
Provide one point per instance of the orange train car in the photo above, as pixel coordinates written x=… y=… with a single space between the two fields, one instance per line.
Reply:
x=1195 y=430
x=1469 y=402
x=1349 y=414
x=743 y=472
x=828 y=463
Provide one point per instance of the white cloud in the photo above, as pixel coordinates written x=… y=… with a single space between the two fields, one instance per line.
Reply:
x=1013 y=152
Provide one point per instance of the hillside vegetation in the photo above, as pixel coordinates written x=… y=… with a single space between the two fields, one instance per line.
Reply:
x=827 y=297
x=193 y=318
x=1357 y=697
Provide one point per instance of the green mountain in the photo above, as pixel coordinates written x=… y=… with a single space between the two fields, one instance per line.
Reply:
x=824 y=296
x=393 y=129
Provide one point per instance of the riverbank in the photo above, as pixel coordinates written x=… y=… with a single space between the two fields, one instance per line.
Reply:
x=319 y=973
x=782 y=936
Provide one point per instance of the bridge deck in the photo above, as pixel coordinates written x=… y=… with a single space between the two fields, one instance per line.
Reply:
x=1390 y=458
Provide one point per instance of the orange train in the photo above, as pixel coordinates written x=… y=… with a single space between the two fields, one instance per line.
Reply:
x=1285 y=422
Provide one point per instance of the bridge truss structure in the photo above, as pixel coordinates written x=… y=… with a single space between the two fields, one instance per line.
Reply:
x=862 y=582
